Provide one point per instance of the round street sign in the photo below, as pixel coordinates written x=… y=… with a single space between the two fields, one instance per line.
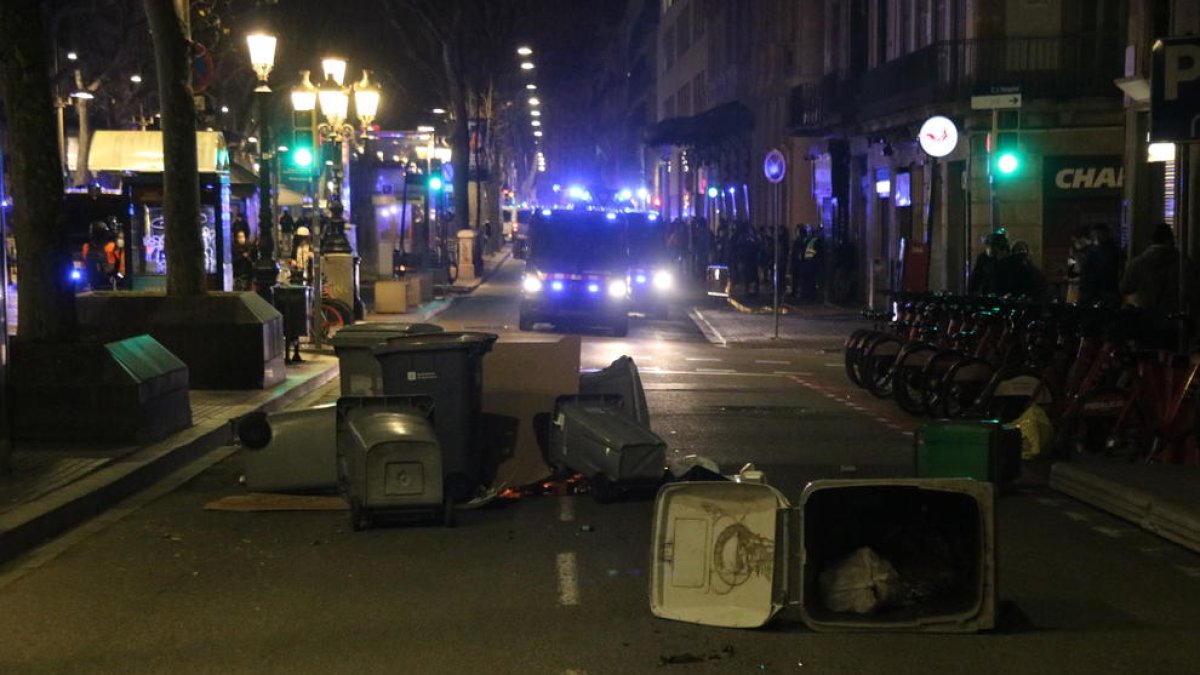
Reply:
x=774 y=166
x=938 y=136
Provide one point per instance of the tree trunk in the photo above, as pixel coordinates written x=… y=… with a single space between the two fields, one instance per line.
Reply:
x=181 y=180
x=460 y=140
x=47 y=299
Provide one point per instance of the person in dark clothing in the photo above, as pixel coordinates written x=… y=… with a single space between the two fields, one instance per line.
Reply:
x=985 y=273
x=1151 y=283
x=1099 y=269
x=1018 y=276
x=796 y=261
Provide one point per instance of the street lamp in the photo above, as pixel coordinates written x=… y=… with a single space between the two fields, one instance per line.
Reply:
x=266 y=268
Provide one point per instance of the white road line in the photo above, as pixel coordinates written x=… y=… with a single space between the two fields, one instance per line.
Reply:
x=1108 y=531
x=773 y=363
x=566 y=510
x=710 y=332
x=1076 y=516
x=568 y=580
x=715 y=370
x=835 y=365
x=701 y=358
x=789 y=372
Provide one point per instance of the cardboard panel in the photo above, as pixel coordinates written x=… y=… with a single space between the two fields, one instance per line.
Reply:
x=522 y=376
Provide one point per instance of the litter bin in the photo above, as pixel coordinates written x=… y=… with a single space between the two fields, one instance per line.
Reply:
x=717 y=281
x=360 y=372
x=389 y=461
x=594 y=436
x=620 y=378
x=448 y=367
x=979 y=449
x=295 y=304
x=290 y=450
x=907 y=554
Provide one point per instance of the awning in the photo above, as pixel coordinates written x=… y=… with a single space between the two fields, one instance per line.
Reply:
x=287 y=197
x=142 y=151
x=710 y=126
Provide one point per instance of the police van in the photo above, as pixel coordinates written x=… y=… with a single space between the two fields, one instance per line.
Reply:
x=651 y=265
x=575 y=271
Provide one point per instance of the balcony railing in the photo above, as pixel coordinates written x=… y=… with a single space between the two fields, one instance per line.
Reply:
x=1055 y=68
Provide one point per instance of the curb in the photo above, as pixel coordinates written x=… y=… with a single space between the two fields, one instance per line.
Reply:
x=31 y=524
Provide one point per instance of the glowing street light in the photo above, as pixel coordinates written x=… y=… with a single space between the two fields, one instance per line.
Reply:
x=527 y=65
x=524 y=51
x=535 y=101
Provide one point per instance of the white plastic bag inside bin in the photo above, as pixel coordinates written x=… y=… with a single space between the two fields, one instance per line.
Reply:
x=732 y=554
x=861 y=582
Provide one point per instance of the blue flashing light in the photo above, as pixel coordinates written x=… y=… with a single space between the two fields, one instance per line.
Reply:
x=556 y=187
x=624 y=195
x=593 y=287
x=732 y=190
x=546 y=212
x=76 y=275
x=652 y=217
x=610 y=215
x=641 y=278
x=556 y=285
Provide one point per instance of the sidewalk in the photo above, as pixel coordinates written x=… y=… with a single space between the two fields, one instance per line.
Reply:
x=56 y=486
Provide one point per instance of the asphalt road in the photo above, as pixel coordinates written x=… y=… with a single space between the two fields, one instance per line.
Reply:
x=559 y=584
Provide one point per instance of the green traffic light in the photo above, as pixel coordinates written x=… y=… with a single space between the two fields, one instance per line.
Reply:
x=1008 y=163
x=713 y=192
x=302 y=157
x=435 y=183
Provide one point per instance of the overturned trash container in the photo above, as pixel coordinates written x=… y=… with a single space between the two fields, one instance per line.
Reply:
x=620 y=378
x=359 y=370
x=389 y=460
x=856 y=555
x=448 y=367
x=290 y=451
x=594 y=436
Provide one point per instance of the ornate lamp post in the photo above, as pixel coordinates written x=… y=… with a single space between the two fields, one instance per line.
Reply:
x=266 y=268
x=335 y=100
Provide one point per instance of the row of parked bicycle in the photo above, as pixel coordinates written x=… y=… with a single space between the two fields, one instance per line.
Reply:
x=1093 y=373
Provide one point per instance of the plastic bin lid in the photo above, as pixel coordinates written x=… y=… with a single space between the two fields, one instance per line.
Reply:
x=714 y=553
x=371 y=334
x=453 y=341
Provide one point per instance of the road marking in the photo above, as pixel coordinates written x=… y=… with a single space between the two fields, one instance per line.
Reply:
x=1076 y=516
x=566 y=510
x=710 y=333
x=773 y=363
x=789 y=372
x=701 y=358
x=715 y=370
x=835 y=365
x=1108 y=531
x=568 y=580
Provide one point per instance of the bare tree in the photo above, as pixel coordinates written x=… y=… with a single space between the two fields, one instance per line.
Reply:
x=181 y=179
x=47 y=308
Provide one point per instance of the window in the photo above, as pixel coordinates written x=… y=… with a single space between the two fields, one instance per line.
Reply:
x=683 y=30
x=668 y=47
x=699 y=93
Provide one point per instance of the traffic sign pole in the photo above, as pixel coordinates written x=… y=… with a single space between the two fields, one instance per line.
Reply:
x=775 y=168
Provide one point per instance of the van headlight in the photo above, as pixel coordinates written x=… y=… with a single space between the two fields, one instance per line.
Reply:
x=532 y=284
x=663 y=280
x=617 y=289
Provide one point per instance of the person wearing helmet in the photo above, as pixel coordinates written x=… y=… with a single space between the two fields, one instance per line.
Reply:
x=985 y=273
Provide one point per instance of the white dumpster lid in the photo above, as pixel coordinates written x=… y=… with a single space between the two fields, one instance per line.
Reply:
x=714 y=557
x=142 y=151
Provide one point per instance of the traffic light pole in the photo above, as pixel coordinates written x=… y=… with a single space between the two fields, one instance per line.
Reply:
x=993 y=140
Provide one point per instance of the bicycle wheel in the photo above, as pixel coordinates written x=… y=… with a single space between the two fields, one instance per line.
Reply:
x=452 y=271
x=906 y=379
x=962 y=386
x=877 y=365
x=853 y=350
x=931 y=379
x=334 y=314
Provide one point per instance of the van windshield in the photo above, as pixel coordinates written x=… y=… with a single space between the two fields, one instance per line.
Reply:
x=581 y=239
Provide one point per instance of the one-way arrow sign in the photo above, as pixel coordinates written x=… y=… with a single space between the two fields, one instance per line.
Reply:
x=996 y=102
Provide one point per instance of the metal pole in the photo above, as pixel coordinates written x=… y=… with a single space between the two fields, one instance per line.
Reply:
x=5 y=403
x=992 y=140
x=776 y=214
x=966 y=262
x=1183 y=195
x=266 y=268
